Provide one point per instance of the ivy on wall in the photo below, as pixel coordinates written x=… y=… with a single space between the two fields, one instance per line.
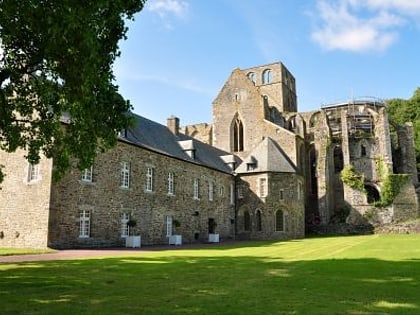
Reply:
x=391 y=187
x=352 y=179
x=391 y=184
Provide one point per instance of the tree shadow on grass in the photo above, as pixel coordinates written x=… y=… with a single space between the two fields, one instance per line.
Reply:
x=190 y=284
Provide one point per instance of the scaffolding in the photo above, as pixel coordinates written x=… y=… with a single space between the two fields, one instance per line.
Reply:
x=360 y=123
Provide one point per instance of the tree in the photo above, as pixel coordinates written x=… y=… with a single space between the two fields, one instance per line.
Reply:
x=56 y=61
x=401 y=111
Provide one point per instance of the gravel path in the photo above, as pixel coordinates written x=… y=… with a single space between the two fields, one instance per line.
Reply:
x=69 y=254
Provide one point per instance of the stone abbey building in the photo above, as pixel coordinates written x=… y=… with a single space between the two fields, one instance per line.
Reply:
x=260 y=171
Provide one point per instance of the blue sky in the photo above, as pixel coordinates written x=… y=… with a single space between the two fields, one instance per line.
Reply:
x=179 y=53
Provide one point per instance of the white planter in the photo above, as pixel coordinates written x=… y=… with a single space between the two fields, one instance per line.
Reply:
x=214 y=238
x=133 y=241
x=175 y=240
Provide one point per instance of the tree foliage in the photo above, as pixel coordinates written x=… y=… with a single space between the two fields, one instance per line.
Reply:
x=56 y=61
x=401 y=111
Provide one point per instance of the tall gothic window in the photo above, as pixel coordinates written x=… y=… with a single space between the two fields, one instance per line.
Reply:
x=259 y=223
x=279 y=221
x=247 y=221
x=238 y=136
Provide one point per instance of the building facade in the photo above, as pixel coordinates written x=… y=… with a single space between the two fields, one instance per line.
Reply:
x=260 y=170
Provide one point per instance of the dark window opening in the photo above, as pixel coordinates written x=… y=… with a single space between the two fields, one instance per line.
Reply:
x=259 y=224
x=238 y=136
x=338 y=159
x=247 y=221
x=363 y=150
x=279 y=221
x=372 y=194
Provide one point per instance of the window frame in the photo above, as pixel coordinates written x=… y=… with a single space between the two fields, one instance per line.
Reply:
x=149 y=179
x=267 y=76
x=125 y=175
x=278 y=222
x=33 y=173
x=211 y=191
x=196 y=189
x=84 y=223
x=125 y=229
x=171 y=184
x=87 y=175
x=169 y=225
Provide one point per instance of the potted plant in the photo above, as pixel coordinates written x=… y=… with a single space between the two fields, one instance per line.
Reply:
x=132 y=240
x=175 y=239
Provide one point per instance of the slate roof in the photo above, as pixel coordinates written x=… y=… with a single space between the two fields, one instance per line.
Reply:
x=156 y=137
x=268 y=156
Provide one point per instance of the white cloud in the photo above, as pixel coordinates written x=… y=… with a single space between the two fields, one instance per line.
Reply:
x=409 y=7
x=168 y=9
x=362 y=25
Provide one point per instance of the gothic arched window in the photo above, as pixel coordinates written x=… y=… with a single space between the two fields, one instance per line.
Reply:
x=258 y=218
x=251 y=76
x=238 y=136
x=279 y=221
x=267 y=76
x=247 y=221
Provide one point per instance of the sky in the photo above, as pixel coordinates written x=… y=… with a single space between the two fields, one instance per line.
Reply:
x=179 y=53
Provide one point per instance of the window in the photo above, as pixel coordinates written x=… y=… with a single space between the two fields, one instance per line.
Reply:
x=149 y=179
x=300 y=191
x=232 y=194
x=251 y=166
x=238 y=136
x=84 y=230
x=240 y=191
x=33 y=172
x=125 y=229
x=267 y=76
x=251 y=76
x=211 y=190
x=363 y=151
x=258 y=218
x=263 y=187
x=171 y=187
x=122 y=133
x=281 y=196
x=279 y=221
x=247 y=221
x=169 y=221
x=221 y=191
x=338 y=159
x=87 y=175
x=196 y=188
x=125 y=175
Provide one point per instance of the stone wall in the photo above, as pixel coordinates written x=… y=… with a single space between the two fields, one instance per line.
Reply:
x=106 y=201
x=24 y=204
x=284 y=193
x=202 y=132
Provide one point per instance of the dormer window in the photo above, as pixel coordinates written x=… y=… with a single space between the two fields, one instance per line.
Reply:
x=188 y=147
x=251 y=164
x=251 y=167
x=122 y=133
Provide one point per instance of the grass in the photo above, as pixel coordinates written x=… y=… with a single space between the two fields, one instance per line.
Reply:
x=376 y=274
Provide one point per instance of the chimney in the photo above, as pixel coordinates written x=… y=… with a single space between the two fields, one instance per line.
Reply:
x=173 y=124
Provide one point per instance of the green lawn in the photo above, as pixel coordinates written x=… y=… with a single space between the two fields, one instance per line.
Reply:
x=377 y=274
